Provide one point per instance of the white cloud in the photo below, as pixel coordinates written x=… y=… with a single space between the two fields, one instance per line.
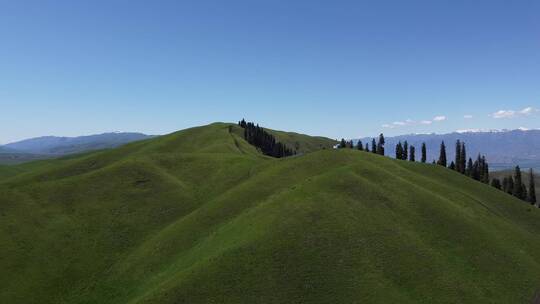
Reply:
x=439 y=118
x=504 y=114
x=467 y=116
x=528 y=111
x=411 y=122
x=523 y=129
x=511 y=113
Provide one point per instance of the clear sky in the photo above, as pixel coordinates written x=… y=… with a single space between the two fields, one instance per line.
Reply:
x=333 y=68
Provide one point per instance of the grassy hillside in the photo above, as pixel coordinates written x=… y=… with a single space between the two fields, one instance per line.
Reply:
x=19 y=158
x=199 y=216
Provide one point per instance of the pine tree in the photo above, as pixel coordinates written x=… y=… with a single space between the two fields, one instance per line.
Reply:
x=367 y=147
x=452 y=166
x=457 y=163
x=343 y=143
x=532 y=190
x=411 y=155
x=510 y=186
x=399 y=151
x=360 y=146
x=476 y=168
x=373 y=146
x=424 y=152
x=463 y=158
x=518 y=190
x=380 y=145
x=496 y=183
x=485 y=171
x=242 y=123
x=351 y=144
x=469 y=170
x=405 y=153
x=442 y=155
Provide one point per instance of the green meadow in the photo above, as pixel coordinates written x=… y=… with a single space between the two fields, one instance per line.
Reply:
x=200 y=216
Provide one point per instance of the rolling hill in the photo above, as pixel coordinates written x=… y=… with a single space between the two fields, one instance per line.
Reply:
x=200 y=216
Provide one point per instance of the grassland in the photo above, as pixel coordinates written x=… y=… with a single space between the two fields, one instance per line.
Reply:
x=199 y=216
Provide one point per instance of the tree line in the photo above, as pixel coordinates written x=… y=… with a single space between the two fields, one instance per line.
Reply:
x=264 y=141
x=477 y=169
x=514 y=185
x=377 y=147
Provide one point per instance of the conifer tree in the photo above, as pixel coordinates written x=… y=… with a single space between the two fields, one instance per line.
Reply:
x=373 y=146
x=496 y=183
x=478 y=169
x=405 y=153
x=505 y=184
x=518 y=183
x=532 y=190
x=442 y=155
x=399 y=151
x=411 y=154
x=351 y=144
x=380 y=145
x=470 y=168
x=485 y=172
x=510 y=185
x=343 y=143
x=457 y=162
x=360 y=146
x=424 y=152
x=463 y=158
x=367 y=147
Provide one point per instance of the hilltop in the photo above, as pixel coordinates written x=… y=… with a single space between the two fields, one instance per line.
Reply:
x=200 y=216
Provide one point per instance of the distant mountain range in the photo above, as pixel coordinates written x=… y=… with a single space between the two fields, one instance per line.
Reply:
x=503 y=149
x=54 y=146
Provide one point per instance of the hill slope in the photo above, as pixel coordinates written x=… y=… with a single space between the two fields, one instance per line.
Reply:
x=199 y=216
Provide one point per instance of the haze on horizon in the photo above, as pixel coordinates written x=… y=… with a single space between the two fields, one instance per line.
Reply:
x=350 y=69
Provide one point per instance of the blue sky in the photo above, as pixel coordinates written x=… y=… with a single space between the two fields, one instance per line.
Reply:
x=333 y=68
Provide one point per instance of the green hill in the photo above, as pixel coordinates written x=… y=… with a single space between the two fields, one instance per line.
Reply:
x=199 y=216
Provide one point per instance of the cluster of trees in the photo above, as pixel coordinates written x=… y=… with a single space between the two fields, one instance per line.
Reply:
x=404 y=152
x=377 y=147
x=264 y=141
x=515 y=186
x=477 y=169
